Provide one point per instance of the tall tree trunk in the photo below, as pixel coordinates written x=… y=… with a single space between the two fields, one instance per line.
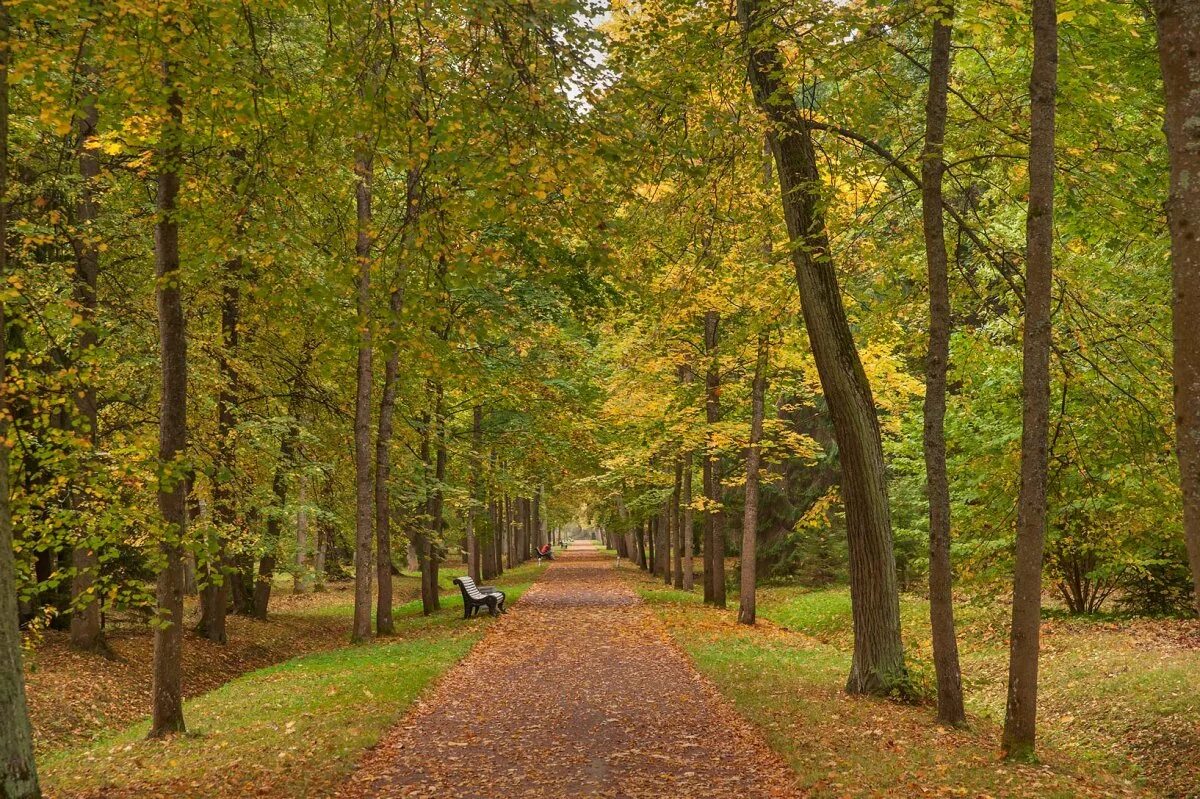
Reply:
x=279 y=485
x=384 y=625
x=301 y=538
x=1179 y=55
x=167 y=717
x=18 y=773
x=214 y=597
x=420 y=536
x=364 y=493
x=714 y=517
x=747 y=610
x=498 y=540
x=85 y=616
x=941 y=595
x=509 y=551
x=652 y=544
x=536 y=519
x=474 y=569
x=688 y=546
x=439 y=518
x=665 y=534
x=677 y=525
x=1020 y=718
x=877 y=666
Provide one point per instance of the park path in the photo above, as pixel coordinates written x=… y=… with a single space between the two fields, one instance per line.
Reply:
x=576 y=692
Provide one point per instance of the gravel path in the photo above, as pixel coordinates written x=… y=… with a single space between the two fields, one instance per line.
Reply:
x=577 y=692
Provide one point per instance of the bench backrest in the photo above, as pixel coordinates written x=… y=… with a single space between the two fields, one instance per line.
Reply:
x=468 y=587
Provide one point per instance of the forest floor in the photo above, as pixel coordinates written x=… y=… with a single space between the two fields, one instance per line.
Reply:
x=1118 y=711
x=577 y=692
x=284 y=710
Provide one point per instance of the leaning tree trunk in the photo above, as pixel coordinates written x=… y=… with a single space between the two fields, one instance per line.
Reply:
x=18 y=773
x=364 y=490
x=85 y=614
x=384 y=625
x=1020 y=718
x=1179 y=55
x=746 y=612
x=877 y=666
x=167 y=692
x=941 y=597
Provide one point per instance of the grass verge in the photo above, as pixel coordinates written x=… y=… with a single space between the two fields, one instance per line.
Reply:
x=790 y=684
x=290 y=730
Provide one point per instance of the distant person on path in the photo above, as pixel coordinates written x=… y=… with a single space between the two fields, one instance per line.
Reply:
x=544 y=551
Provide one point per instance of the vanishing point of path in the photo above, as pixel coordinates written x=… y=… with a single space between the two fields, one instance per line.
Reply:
x=576 y=692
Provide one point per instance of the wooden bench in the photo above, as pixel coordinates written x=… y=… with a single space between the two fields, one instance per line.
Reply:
x=476 y=597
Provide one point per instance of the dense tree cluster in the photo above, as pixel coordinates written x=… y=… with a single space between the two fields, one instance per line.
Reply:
x=875 y=292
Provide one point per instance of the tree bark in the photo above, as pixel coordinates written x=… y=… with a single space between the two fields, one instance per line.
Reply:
x=18 y=773
x=85 y=614
x=1179 y=57
x=384 y=624
x=1020 y=718
x=677 y=526
x=167 y=716
x=364 y=489
x=941 y=596
x=878 y=662
x=714 y=532
x=747 y=609
x=664 y=541
x=474 y=568
x=214 y=597
x=279 y=485
x=439 y=517
x=689 y=578
x=301 y=539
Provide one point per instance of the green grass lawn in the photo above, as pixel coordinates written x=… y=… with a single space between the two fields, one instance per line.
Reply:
x=291 y=730
x=1116 y=712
